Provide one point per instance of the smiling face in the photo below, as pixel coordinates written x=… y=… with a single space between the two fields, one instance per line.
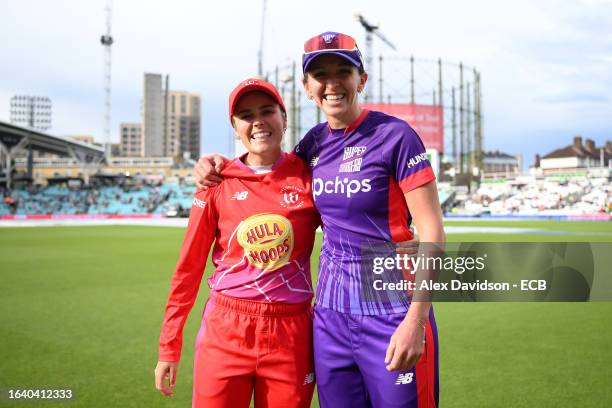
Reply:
x=259 y=123
x=334 y=84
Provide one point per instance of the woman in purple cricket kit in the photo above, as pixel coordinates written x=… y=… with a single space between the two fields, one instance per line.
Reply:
x=371 y=180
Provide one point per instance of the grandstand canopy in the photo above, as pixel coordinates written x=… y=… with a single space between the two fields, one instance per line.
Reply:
x=68 y=180
x=11 y=136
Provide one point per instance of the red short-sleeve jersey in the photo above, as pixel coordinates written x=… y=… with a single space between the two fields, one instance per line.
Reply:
x=263 y=228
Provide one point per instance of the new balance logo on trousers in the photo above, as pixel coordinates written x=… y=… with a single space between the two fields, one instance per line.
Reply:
x=310 y=377
x=404 y=378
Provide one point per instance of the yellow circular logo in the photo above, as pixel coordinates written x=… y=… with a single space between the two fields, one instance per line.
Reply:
x=267 y=240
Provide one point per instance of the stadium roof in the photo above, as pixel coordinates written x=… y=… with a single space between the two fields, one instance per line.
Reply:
x=11 y=135
x=498 y=155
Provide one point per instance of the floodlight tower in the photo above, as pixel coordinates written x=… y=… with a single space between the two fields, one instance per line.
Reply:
x=370 y=29
x=107 y=41
x=261 y=41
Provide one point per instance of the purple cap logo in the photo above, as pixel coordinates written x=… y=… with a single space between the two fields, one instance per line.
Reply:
x=328 y=37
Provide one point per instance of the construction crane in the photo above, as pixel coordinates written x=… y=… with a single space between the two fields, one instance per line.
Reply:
x=370 y=29
x=107 y=41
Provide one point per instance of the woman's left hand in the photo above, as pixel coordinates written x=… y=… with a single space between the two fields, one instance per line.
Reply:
x=406 y=345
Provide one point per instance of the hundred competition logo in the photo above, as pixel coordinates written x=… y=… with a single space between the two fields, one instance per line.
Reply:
x=267 y=240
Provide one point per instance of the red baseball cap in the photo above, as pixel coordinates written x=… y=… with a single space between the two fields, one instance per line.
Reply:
x=250 y=85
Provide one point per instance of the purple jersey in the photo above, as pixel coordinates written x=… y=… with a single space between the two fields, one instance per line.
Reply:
x=360 y=175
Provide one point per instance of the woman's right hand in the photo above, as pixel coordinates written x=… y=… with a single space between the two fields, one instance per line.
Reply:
x=207 y=170
x=165 y=377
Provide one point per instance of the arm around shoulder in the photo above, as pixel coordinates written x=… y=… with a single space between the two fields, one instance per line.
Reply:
x=207 y=171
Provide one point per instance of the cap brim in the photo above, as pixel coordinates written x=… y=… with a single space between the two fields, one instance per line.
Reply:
x=313 y=56
x=255 y=88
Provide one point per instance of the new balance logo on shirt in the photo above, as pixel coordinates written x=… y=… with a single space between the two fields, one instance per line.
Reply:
x=199 y=203
x=240 y=195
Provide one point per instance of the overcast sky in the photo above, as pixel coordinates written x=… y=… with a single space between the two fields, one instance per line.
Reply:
x=546 y=65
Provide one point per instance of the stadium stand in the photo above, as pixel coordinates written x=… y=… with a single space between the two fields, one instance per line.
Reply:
x=166 y=199
x=546 y=197
x=176 y=197
x=522 y=196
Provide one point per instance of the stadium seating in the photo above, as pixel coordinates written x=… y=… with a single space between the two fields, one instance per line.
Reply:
x=4 y=209
x=550 y=196
x=101 y=200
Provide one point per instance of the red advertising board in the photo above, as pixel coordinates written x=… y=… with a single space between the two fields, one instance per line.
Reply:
x=427 y=120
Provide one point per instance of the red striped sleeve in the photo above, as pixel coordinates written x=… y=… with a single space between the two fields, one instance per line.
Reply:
x=421 y=177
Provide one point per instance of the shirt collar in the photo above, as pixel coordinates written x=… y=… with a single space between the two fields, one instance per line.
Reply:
x=349 y=129
x=243 y=166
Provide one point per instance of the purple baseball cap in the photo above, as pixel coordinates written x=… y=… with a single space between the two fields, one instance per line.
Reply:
x=330 y=42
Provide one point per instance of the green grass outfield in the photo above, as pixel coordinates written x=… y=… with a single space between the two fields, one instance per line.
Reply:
x=82 y=308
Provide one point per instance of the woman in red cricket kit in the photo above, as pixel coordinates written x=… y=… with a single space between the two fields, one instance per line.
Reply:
x=256 y=332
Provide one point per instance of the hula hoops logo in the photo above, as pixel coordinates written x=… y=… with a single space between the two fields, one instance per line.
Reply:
x=267 y=240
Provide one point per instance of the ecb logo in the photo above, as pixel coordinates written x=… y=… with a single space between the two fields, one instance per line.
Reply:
x=292 y=197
